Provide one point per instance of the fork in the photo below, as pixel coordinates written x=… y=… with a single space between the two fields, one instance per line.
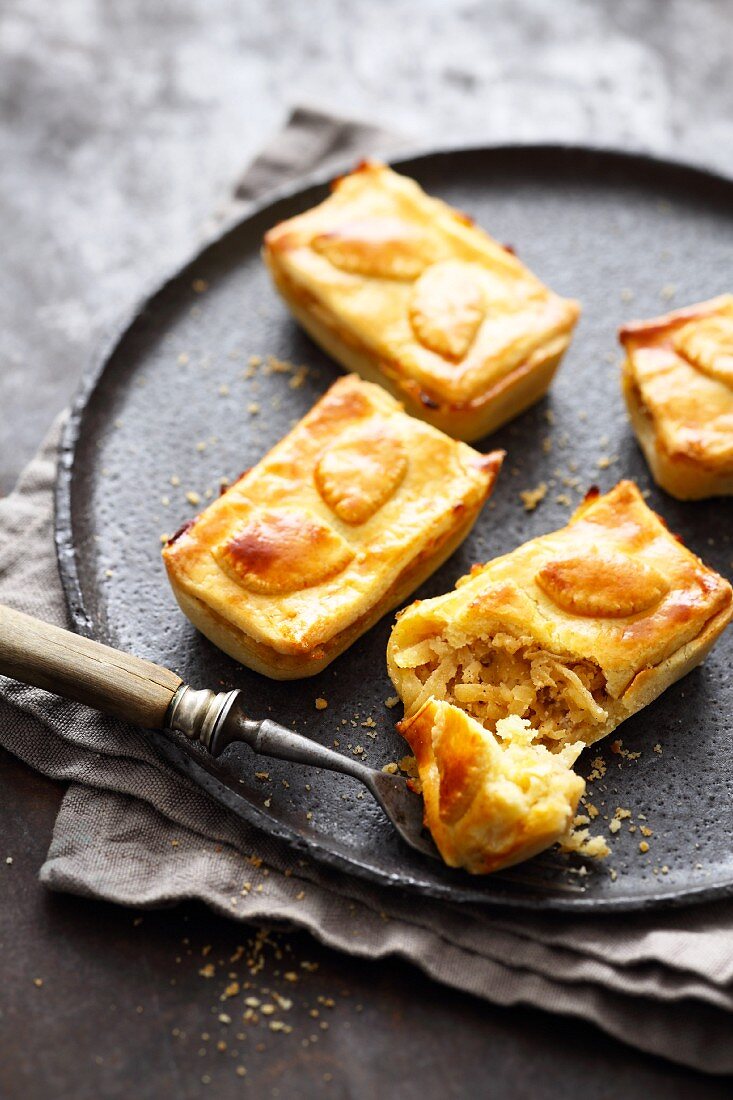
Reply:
x=148 y=695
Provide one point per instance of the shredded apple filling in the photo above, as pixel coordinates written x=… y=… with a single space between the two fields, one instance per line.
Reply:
x=499 y=675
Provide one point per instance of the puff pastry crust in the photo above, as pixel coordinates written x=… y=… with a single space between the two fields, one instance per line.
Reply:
x=406 y=291
x=345 y=517
x=572 y=632
x=492 y=797
x=678 y=384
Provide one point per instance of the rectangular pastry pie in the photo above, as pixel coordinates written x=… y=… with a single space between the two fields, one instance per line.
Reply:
x=408 y=292
x=678 y=385
x=344 y=517
x=544 y=651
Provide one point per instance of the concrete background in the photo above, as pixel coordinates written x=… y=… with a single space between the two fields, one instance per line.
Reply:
x=124 y=125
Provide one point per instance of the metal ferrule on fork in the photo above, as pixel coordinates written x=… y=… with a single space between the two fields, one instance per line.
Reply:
x=201 y=714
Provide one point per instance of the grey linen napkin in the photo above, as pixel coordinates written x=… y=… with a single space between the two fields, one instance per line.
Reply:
x=661 y=982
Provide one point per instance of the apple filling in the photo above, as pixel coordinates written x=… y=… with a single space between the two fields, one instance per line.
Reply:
x=497 y=675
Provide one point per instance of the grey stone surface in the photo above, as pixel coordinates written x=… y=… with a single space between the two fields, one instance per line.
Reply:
x=124 y=125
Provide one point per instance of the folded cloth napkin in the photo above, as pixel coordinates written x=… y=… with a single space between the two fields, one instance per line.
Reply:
x=662 y=982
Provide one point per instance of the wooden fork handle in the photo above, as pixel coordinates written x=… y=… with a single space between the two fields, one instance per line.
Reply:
x=46 y=656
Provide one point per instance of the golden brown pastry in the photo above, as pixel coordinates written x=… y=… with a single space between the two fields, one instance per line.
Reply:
x=492 y=798
x=572 y=632
x=408 y=292
x=678 y=384
x=344 y=517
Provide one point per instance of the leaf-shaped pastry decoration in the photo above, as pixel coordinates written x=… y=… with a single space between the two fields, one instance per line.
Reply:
x=279 y=551
x=382 y=248
x=708 y=345
x=359 y=473
x=447 y=307
x=604 y=585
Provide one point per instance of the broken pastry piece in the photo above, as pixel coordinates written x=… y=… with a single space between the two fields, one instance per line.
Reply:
x=491 y=798
x=408 y=292
x=572 y=632
x=678 y=385
x=344 y=517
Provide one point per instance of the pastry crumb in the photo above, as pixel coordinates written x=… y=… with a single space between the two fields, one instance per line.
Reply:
x=408 y=765
x=278 y=366
x=298 y=378
x=321 y=703
x=598 y=765
x=581 y=842
x=617 y=747
x=532 y=497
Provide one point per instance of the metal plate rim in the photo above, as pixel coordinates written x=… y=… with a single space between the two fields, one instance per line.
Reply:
x=72 y=433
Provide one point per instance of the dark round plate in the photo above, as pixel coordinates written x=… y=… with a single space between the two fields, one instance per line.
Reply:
x=169 y=410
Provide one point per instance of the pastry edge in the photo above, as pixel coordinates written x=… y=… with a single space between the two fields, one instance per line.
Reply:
x=279 y=665
x=680 y=475
x=652 y=682
x=507 y=398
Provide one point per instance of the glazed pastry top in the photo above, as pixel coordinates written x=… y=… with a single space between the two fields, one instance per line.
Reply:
x=315 y=534
x=417 y=285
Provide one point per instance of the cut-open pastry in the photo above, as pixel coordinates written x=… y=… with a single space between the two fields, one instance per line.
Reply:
x=344 y=517
x=678 y=385
x=408 y=292
x=492 y=798
x=573 y=632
